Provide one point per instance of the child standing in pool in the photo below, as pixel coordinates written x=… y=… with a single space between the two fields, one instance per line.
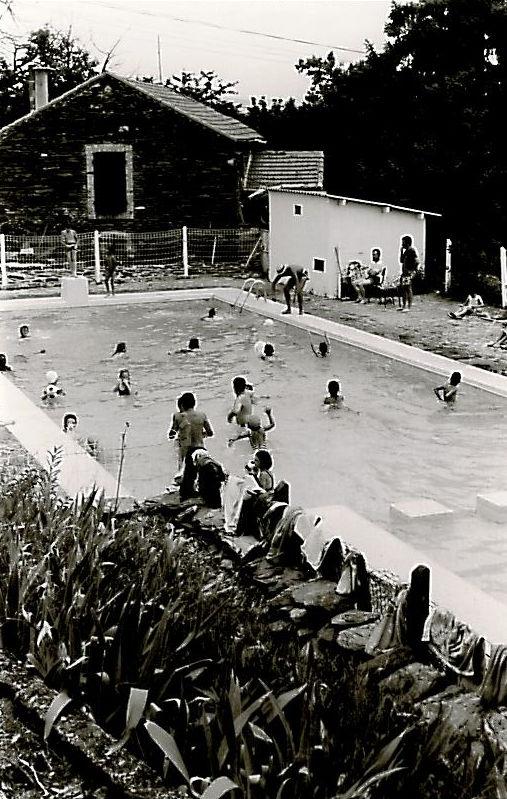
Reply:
x=256 y=431
x=189 y=425
x=52 y=390
x=123 y=386
x=334 y=396
x=449 y=391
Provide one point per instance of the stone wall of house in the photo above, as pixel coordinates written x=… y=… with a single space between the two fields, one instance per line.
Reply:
x=180 y=168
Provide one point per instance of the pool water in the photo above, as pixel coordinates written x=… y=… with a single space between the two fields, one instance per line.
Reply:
x=392 y=440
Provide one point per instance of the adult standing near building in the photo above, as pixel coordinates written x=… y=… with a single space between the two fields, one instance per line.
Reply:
x=409 y=261
x=297 y=279
x=68 y=237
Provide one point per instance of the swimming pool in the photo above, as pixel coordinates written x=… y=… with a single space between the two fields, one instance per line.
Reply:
x=392 y=441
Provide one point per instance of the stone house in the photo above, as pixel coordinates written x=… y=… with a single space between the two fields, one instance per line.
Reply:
x=118 y=153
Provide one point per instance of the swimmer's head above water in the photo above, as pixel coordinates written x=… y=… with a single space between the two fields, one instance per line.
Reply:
x=333 y=388
x=124 y=374
x=455 y=379
x=187 y=401
x=121 y=348
x=69 y=422
x=212 y=313
x=194 y=344
x=24 y=331
x=3 y=363
x=323 y=348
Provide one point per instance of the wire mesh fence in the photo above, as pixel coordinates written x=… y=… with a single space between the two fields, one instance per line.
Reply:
x=186 y=251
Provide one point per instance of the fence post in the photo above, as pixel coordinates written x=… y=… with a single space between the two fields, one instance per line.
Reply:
x=448 y=265
x=184 y=250
x=96 y=255
x=503 y=275
x=3 y=260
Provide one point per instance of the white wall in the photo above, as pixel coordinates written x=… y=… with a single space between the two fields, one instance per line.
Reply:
x=355 y=228
x=300 y=239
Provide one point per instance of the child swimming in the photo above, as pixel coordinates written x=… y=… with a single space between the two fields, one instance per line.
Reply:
x=334 y=396
x=323 y=347
x=448 y=392
x=263 y=349
x=52 y=390
x=211 y=316
x=121 y=349
x=24 y=331
x=193 y=346
x=256 y=431
x=69 y=422
x=3 y=363
x=123 y=387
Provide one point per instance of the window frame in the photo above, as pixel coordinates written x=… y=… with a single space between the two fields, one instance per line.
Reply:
x=323 y=262
x=90 y=150
x=297 y=205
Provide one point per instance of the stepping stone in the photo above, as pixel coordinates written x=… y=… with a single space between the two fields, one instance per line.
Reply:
x=419 y=510
x=493 y=506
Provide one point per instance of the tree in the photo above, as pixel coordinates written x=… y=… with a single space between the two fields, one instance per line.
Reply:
x=71 y=64
x=207 y=87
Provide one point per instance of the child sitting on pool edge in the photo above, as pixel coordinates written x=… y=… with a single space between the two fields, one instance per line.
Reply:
x=449 y=391
x=256 y=431
x=260 y=468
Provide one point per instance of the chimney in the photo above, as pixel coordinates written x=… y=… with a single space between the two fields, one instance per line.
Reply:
x=38 y=87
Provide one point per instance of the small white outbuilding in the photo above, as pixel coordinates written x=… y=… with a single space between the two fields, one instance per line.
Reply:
x=324 y=232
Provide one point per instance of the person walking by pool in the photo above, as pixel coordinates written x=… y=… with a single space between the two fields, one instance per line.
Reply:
x=68 y=237
x=256 y=430
x=409 y=260
x=242 y=408
x=3 y=363
x=189 y=426
x=264 y=350
x=123 y=385
x=334 y=397
x=298 y=276
x=449 y=391
x=110 y=267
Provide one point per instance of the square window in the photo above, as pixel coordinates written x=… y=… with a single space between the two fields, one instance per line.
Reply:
x=298 y=210
x=319 y=265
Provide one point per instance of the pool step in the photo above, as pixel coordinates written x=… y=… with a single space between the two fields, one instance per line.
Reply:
x=418 y=510
x=493 y=506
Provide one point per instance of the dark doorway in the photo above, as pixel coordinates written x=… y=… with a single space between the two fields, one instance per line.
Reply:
x=110 y=183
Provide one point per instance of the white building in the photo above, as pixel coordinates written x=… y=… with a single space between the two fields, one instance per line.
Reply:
x=324 y=232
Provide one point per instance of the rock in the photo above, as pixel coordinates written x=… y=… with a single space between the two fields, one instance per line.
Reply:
x=353 y=618
x=411 y=684
x=297 y=615
x=317 y=594
x=355 y=639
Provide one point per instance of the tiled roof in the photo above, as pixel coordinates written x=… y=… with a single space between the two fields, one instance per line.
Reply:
x=285 y=168
x=192 y=109
x=199 y=112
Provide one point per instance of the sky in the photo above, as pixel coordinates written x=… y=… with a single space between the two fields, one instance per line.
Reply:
x=219 y=35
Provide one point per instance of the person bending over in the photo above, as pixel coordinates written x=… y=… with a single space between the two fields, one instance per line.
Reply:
x=297 y=279
x=204 y=474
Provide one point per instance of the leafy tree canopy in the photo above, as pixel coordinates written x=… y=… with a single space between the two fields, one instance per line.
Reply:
x=49 y=47
x=207 y=87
